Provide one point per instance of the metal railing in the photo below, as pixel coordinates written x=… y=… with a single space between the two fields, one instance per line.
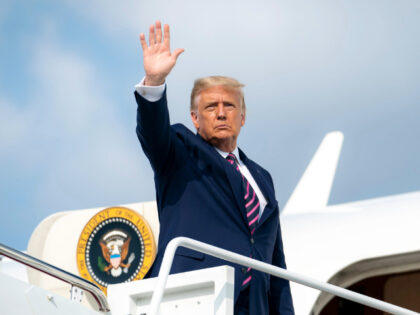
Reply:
x=260 y=266
x=58 y=273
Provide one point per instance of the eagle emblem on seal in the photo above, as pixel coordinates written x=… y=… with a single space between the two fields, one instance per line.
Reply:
x=115 y=247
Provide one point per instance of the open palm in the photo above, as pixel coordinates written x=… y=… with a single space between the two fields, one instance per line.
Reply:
x=158 y=60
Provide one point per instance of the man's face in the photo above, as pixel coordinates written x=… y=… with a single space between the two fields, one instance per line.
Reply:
x=218 y=116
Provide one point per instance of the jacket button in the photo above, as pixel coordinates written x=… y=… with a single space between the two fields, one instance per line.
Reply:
x=244 y=269
x=252 y=240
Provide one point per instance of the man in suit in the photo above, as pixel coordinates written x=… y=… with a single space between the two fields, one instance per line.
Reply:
x=206 y=187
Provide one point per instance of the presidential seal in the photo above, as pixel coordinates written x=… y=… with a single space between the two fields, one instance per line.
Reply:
x=115 y=246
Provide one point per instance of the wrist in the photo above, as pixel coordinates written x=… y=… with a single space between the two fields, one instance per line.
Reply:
x=153 y=81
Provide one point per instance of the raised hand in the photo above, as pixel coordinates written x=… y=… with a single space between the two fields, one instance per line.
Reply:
x=158 y=60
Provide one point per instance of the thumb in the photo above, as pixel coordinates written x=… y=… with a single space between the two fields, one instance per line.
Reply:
x=177 y=52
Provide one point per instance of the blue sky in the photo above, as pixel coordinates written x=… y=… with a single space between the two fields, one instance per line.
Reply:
x=67 y=111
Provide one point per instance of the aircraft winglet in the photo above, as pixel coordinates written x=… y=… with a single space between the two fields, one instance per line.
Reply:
x=313 y=190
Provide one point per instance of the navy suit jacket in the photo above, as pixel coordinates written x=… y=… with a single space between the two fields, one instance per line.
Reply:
x=200 y=195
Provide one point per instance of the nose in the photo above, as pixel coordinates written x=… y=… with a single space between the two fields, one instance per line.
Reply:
x=221 y=111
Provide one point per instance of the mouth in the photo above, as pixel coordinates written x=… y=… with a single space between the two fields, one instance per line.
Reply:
x=222 y=127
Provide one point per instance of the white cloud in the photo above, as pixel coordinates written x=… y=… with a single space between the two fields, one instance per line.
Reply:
x=17 y=123
x=221 y=36
x=69 y=134
x=12 y=124
x=69 y=92
x=115 y=17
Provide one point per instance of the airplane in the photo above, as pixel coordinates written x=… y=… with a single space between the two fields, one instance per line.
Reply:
x=369 y=246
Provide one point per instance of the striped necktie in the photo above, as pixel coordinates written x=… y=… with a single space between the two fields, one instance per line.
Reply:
x=252 y=206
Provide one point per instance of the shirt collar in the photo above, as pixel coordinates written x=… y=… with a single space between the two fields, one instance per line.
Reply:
x=225 y=154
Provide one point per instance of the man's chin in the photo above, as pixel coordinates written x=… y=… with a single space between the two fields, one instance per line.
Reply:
x=222 y=138
x=223 y=135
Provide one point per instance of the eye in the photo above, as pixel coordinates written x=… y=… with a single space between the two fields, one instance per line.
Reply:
x=210 y=107
x=229 y=106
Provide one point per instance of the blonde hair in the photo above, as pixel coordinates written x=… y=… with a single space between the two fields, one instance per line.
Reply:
x=212 y=81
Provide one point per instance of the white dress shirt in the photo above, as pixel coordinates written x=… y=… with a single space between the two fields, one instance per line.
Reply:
x=154 y=93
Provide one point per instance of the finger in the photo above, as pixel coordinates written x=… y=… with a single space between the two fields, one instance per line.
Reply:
x=177 y=52
x=166 y=41
x=143 y=41
x=152 y=35
x=158 y=32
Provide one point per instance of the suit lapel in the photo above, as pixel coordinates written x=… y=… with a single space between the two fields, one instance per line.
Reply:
x=263 y=185
x=235 y=181
x=233 y=178
x=231 y=175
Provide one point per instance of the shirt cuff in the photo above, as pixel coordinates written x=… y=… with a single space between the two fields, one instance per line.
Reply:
x=150 y=93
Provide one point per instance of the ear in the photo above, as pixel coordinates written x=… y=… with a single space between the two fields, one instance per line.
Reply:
x=242 y=119
x=194 y=119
